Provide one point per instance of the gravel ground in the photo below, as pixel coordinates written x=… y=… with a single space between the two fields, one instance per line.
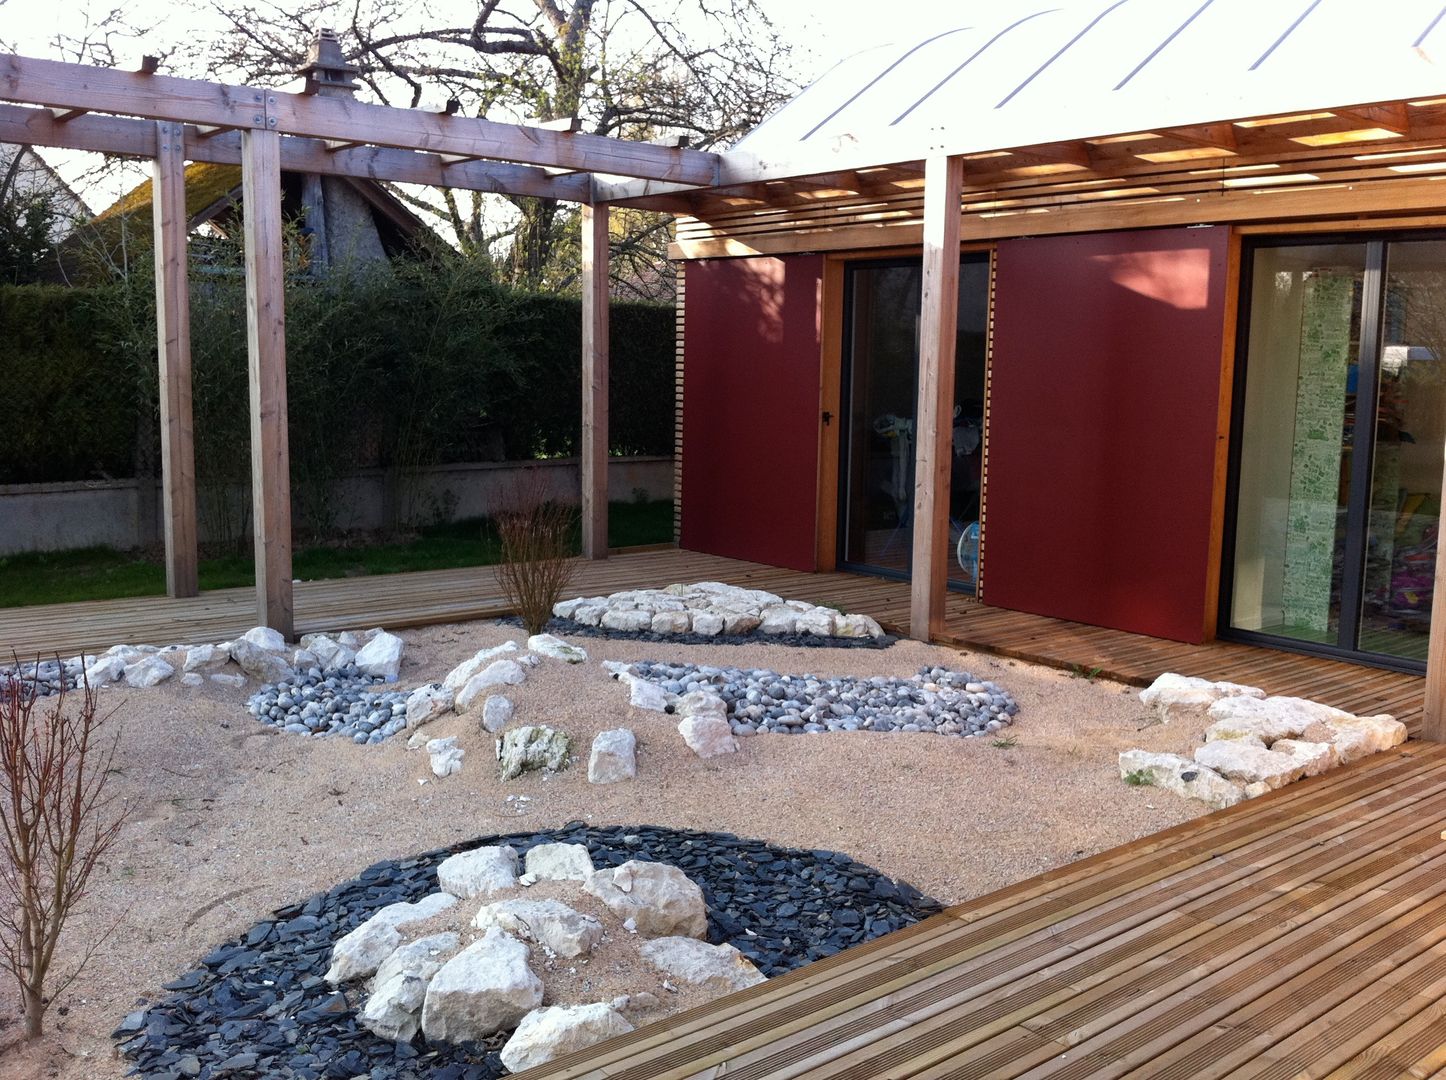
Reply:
x=234 y=818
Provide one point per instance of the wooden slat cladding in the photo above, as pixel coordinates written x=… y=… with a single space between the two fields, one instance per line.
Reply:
x=679 y=314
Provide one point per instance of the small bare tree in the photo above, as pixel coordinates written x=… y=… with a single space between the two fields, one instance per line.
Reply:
x=535 y=535
x=57 y=821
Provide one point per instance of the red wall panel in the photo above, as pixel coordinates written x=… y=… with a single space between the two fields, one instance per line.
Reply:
x=1105 y=381
x=750 y=408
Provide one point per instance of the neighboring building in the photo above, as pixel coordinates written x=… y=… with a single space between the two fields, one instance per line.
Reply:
x=23 y=173
x=1200 y=386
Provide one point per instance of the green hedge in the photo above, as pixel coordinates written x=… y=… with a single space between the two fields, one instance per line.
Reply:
x=415 y=365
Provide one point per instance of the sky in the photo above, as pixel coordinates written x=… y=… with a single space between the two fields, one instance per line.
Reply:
x=824 y=30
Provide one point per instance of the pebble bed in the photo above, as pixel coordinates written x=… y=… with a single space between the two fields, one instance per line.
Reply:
x=258 y=1006
x=47 y=677
x=761 y=702
x=342 y=703
x=565 y=628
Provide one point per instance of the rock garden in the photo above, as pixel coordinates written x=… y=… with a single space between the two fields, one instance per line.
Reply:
x=284 y=791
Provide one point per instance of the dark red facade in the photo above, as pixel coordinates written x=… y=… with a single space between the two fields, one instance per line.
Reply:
x=1105 y=382
x=750 y=408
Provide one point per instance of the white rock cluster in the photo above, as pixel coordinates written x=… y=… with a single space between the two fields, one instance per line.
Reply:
x=1254 y=743
x=710 y=608
x=452 y=992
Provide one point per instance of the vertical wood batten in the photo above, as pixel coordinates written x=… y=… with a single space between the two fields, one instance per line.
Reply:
x=933 y=427
x=173 y=348
x=1433 y=721
x=595 y=381
x=266 y=353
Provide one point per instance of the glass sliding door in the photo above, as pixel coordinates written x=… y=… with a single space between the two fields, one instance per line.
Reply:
x=1340 y=426
x=880 y=397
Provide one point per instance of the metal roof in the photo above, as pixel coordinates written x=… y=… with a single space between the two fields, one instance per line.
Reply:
x=1052 y=73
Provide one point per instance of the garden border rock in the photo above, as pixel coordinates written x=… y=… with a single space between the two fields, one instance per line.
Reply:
x=258 y=1005
x=568 y=628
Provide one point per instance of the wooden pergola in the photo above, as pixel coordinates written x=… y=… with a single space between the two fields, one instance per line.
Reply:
x=171 y=121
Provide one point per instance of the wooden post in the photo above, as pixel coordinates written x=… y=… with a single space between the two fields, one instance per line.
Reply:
x=1433 y=724
x=173 y=345
x=595 y=381
x=266 y=354
x=933 y=425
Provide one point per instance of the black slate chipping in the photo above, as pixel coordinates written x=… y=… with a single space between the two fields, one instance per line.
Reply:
x=257 y=1005
x=570 y=628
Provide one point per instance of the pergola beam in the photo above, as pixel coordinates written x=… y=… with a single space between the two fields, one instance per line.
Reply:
x=933 y=429
x=135 y=138
x=266 y=365
x=173 y=346
x=595 y=381
x=58 y=85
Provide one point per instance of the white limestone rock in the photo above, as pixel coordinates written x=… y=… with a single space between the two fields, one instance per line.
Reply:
x=205 y=659
x=496 y=674
x=481 y=872
x=393 y=1010
x=718 y=969
x=1182 y=776
x=1356 y=737
x=258 y=662
x=590 y=614
x=740 y=622
x=643 y=694
x=382 y=655
x=362 y=951
x=484 y=989
x=1183 y=697
x=555 y=647
x=1314 y=758
x=707 y=623
x=1267 y=719
x=445 y=756
x=857 y=626
x=622 y=619
x=779 y=619
x=193 y=678
x=556 y=1030
x=405 y=914
x=550 y=923
x=330 y=654
x=705 y=726
x=613 y=758
x=264 y=637
x=1246 y=761
x=671 y=622
x=560 y=862
x=227 y=678
x=148 y=672
x=420 y=958
x=459 y=675
x=497 y=713
x=818 y=621
x=105 y=670
x=533 y=746
x=661 y=900
x=426 y=703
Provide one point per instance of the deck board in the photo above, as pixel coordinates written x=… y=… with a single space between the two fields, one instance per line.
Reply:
x=1300 y=934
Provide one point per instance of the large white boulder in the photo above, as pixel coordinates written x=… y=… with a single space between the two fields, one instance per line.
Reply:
x=330 y=654
x=264 y=637
x=260 y=663
x=497 y=712
x=206 y=658
x=549 y=923
x=106 y=669
x=857 y=626
x=1267 y=719
x=779 y=619
x=148 y=672
x=445 y=756
x=1356 y=737
x=458 y=676
x=555 y=647
x=479 y=872
x=393 y=1010
x=426 y=703
x=420 y=958
x=643 y=694
x=1246 y=761
x=551 y=1032
x=622 y=619
x=1182 y=697
x=496 y=674
x=382 y=655
x=719 y=969
x=560 y=862
x=362 y=951
x=818 y=621
x=1314 y=758
x=1181 y=776
x=705 y=726
x=661 y=900
x=533 y=746
x=484 y=989
x=671 y=622
x=613 y=757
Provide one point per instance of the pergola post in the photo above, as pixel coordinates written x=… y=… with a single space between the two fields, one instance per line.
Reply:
x=933 y=427
x=266 y=362
x=595 y=381
x=1433 y=724
x=173 y=346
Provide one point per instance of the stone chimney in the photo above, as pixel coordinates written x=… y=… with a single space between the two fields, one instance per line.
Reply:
x=326 y=71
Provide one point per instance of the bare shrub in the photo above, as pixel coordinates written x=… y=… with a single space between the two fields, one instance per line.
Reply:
x=534 y=533
x=57 y=821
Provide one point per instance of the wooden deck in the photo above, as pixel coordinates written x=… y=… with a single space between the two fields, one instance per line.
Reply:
x=1299 y=935
x=416 y=599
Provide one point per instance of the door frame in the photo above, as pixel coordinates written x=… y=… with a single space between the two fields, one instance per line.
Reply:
x=1377 y=242
x=832 y=312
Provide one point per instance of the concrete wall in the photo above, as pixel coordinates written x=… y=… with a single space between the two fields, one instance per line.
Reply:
x=117 y=513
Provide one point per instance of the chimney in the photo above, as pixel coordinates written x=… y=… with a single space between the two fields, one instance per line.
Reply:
x=326 y=71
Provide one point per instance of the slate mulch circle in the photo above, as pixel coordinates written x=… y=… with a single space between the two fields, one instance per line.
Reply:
x=570 y=628
x=258 y=1006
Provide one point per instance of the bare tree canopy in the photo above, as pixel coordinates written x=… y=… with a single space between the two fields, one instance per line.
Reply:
x=708 y=70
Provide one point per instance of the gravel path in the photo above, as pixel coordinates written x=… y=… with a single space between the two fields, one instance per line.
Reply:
x=235 y=818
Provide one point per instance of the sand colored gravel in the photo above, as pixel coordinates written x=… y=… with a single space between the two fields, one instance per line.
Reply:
x=234 y=818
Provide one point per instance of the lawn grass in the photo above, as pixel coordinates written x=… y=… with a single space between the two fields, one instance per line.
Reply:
x=106 y=574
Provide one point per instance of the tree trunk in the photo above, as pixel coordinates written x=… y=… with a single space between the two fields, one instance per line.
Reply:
x=33 y=1008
